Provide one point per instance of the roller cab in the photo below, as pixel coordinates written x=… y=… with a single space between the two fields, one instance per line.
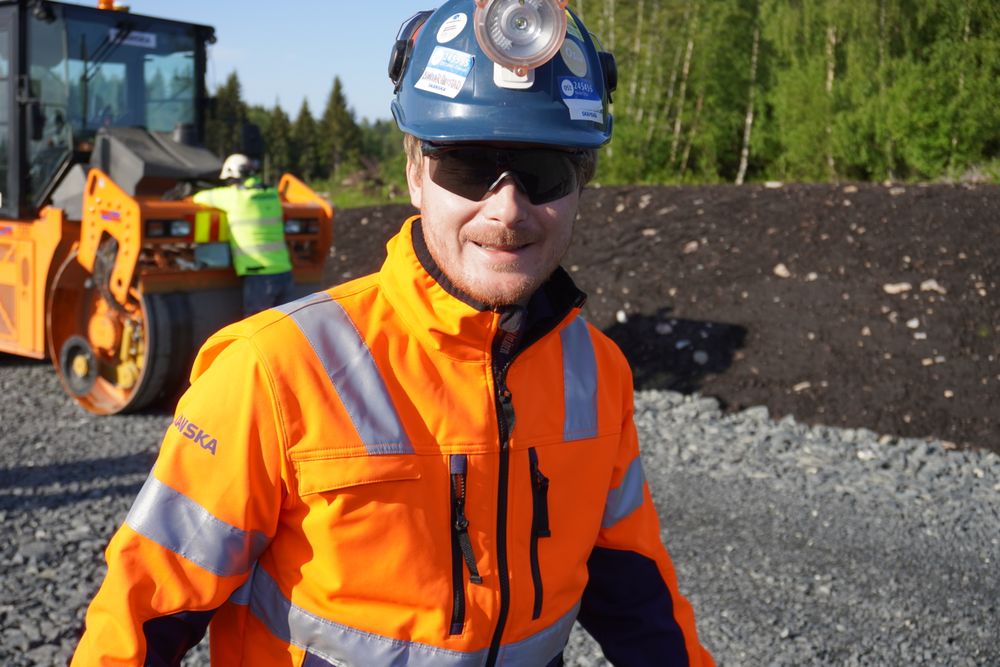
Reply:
x=107 y=267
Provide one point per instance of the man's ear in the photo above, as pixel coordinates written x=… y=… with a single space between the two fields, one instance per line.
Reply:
x=415 y=182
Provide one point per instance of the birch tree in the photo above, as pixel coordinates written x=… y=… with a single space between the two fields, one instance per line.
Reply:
x=831 y=75
x=685 y=71
x=748 y=123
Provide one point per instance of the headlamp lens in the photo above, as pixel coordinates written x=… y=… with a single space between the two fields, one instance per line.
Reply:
x=472 y=172
x=520 y=34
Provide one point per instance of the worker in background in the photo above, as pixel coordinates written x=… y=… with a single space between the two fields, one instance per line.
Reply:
x=256 y=233
x=435 y=464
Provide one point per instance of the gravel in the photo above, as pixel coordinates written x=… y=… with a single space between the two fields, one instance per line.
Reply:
x=798 y=545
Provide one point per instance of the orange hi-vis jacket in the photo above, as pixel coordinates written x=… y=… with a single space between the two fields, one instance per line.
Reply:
x=387 y=473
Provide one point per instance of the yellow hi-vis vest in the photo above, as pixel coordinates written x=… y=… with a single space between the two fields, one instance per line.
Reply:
x=256 y=227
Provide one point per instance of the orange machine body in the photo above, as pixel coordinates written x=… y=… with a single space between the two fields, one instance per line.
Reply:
x=34 y=319
x=107 y=266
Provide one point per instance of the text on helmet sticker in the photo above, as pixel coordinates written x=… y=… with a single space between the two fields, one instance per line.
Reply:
x=451 y=28
x=446 y=72
x=574 y=58
x=581 y=99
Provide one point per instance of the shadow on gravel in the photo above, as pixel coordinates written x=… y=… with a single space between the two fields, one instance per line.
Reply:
x=11 y=360
x=77 y=471
x=672 y=353
x=50 y=501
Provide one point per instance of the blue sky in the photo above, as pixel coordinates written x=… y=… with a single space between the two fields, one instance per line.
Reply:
x=291 y=50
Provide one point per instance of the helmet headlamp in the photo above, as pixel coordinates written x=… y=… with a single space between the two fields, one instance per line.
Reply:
x=520 y=34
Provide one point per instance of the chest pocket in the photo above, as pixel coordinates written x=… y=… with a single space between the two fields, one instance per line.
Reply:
x=333 y=474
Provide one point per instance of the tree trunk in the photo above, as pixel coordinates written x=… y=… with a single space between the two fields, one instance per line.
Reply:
x=748 y=122
x=961 y=93
x=679 y=118
x=831 y=72
x=883 y=39
x=693 y=133
x=652 y=73
x=660 y=117
x=633 y=85
x=661 y=112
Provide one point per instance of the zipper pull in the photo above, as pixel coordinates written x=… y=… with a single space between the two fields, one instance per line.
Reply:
x=507 y=406
x=461 y=526
x=540 y=496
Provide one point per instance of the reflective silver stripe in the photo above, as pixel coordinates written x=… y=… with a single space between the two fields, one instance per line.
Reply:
x=178 y=523
x=579 y=381
x=302 y=302
x=247 y=250
x=627 y=498
x=241 y=595
x=342 y=644
x=352 y=370
x=541 y=647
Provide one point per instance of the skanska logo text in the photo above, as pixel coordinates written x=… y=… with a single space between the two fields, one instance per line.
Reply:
x=192 y=432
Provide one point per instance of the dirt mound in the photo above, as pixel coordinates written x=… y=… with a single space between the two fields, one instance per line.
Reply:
x=847 y=305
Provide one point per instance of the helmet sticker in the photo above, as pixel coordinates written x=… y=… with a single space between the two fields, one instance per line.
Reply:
x=582 y=99
x=446 y=72
x=451 y=28
x=573 y=56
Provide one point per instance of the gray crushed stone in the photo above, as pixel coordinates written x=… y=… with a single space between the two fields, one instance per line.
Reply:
x=798 y=545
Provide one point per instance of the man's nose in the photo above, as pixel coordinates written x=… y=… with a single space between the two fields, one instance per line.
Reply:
x=506 y=200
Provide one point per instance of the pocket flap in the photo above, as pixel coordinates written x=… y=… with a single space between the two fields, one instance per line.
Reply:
x=319 y=475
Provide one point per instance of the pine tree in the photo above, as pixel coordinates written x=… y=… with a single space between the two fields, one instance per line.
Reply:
x=306 y=145
x=340 y=141
x=277 y=134
x=224 y=126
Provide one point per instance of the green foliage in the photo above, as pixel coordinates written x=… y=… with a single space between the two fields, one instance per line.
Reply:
x=876 y=90
x=278 y=137
x=224 y=125
x=341 y=137
x=307 y=146
x=884 y=89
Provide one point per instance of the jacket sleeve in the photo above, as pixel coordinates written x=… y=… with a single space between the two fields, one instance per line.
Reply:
x=205 y=197
x=205 y=513
x=631 y=604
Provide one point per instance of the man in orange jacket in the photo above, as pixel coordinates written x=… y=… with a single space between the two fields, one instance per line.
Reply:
x=437 y=464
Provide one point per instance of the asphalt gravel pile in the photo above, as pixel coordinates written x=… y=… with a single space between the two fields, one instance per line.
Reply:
x=798 y=545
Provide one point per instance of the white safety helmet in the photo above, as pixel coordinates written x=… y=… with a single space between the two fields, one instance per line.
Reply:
x=237 y=166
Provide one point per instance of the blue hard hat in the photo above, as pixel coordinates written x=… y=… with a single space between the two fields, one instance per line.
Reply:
x=449 y=90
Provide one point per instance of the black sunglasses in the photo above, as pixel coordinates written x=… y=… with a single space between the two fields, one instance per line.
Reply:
x=473 y=171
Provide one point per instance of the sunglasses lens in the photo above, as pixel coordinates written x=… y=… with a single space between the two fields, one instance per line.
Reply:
x=465 y=172
x=470 y=172
x=547 y=176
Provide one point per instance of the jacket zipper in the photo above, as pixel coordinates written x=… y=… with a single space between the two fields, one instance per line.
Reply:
x=505 y=411
x=539 y=525
x=461 y=544
x=506 y=347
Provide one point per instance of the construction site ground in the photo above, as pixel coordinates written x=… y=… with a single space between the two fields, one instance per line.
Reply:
x=853 y=305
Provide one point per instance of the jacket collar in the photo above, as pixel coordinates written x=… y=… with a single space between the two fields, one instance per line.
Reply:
x=446 y=319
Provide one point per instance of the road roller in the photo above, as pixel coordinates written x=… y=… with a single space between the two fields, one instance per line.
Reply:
x=107 y=266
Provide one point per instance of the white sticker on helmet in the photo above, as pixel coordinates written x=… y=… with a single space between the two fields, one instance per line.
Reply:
x=581 y=99
x=573 y=56
x=446 y=72
x=451 y=28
